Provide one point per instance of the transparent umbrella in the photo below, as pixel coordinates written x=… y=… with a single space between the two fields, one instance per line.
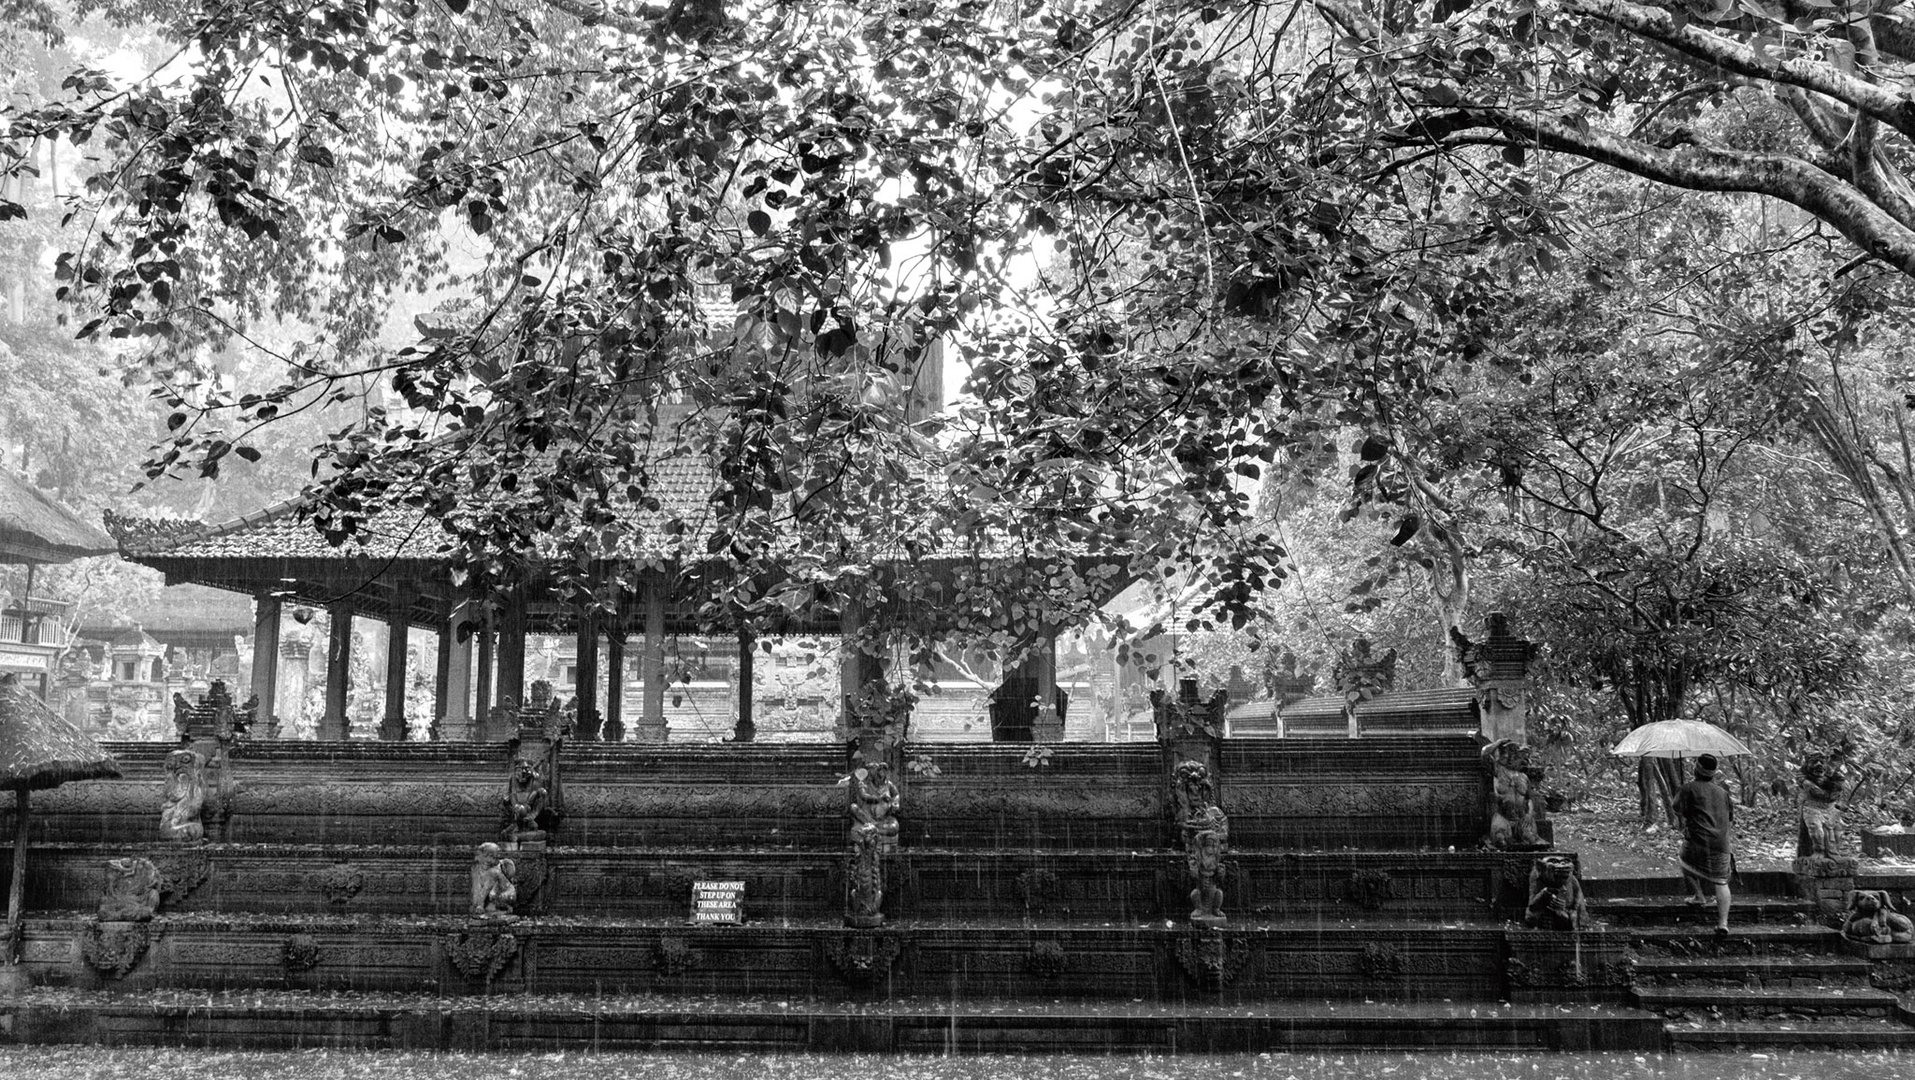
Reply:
x=1679 y=739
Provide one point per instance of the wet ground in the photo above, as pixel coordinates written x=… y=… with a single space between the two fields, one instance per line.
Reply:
x=1611 y=844
x=77 y=1063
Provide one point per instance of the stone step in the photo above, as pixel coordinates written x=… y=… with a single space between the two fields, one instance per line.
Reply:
x=1698 y=1004
x=1748 y=883
x=594 y=1023
x=1818 y=1034
x=1105 y=885
x=1754 y=972
x=978 y=960
x=1663 y=942
x=1655 y=910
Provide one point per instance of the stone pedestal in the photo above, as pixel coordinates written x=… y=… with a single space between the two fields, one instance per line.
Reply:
x=1498 y=666
x=1826 y=881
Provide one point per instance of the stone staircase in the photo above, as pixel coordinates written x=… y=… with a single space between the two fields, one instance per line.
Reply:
x=1026 y=908
x=1780 y=981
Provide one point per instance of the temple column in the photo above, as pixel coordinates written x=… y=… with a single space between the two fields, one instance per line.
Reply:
x=482 y=693
x=455 y=678
x=441 y=675
x=651 y=721
x=1048 y=725
x=333 y=723
x=393 y=727
x=614 y=729
x=295 y=651
x=265 y=677
x=745 y=730
x=586 y=688
x=510 y=684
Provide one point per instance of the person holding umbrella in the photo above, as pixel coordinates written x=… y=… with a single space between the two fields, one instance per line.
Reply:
x=1708 y=833
x=1703 y=806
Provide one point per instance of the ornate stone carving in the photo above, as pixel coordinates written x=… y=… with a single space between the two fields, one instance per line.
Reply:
x=184 y=795
x=1370 y=889
x=874 y=802
x=338 y=883
x=1045 y=960
x=863 y=958
x=1206 y=834
x=864 y=877
x=675 y=885
x=300 y=953
x=528 y=801
x=494 y=896
x=1498 y=667
x=1393 y=801
x=114 y=948
x=1515 y=795
x=1873 y=920
x=481 y=956
x=1380 y=962
x=1212 y=960
x=1555 y=895
x=1040 y=890
x=132 y=892
x=675 y=955
x=182 y=872
x=1819 y=833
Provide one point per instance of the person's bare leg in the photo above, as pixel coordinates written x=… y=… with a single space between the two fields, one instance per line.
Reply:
x=1722 y=906
x=1694 y=885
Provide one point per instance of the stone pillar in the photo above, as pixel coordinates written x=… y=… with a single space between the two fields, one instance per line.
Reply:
x=441 y=676
x=586 y=689
x=745 y=729
x=1190 y=742
x=651 y=722
x=614 y=729
x=483 y=690
x=295 y=652
x=392 y=728
x=333 y=723
x=1498 y=667
x=509 y=686
x=1048 y=725
x=455 y=678
x=265 y=676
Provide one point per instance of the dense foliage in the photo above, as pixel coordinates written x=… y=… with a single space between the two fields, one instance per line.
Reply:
x=1212 y=276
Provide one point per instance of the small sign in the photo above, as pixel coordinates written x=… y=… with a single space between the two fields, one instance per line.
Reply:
x=718 y=903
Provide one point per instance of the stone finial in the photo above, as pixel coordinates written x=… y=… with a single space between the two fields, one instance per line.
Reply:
x=1498 y=667
x=1501 y=657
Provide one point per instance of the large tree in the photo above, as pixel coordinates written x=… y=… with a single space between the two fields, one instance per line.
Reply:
x=1804 y=101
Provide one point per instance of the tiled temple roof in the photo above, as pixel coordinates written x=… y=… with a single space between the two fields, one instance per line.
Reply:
x=681 y=484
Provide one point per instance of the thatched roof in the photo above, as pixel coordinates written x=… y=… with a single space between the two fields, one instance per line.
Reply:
x=36 y=528
x=39 y=748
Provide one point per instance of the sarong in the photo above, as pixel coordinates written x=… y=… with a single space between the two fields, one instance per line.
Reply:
x=1713 y=867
